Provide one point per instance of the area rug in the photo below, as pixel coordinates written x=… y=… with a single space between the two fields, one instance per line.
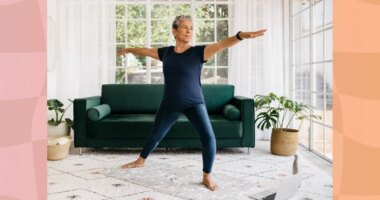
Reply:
x=182 y=179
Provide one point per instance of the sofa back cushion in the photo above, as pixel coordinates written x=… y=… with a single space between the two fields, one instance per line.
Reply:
x=146 y=98
x=217 y=96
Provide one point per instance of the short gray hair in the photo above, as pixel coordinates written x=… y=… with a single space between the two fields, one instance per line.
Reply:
x=178 y=19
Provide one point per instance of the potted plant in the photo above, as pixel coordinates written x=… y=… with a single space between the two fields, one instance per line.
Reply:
x=56 y=125
x=277 y=112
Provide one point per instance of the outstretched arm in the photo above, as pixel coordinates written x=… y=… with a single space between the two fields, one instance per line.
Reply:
x=214 y=48
x=151 y=52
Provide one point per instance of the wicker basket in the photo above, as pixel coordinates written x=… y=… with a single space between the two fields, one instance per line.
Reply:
x=284 y=142
x=58 y=152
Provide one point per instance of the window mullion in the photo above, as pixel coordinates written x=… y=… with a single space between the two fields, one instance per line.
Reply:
x=148 y=37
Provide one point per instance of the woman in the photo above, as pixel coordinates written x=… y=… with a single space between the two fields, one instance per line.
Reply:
x=182 y=65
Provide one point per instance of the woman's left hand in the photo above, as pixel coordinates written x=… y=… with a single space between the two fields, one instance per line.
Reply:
x=250 y=35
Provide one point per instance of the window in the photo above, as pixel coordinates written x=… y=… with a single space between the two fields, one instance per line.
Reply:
x=147 y=23
x=312 y=70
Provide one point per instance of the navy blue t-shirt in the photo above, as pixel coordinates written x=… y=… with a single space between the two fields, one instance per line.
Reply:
x=182 y=73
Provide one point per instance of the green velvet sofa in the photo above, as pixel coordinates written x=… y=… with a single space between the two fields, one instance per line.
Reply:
x=129 y=113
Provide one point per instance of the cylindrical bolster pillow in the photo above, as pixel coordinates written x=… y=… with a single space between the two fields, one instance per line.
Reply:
x=231 y=112
x=98 y=112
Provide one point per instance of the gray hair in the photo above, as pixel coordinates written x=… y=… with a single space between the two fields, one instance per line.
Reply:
x=178 y=19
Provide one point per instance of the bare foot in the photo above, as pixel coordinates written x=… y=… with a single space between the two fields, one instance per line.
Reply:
x=137 y=163
x=210 y=184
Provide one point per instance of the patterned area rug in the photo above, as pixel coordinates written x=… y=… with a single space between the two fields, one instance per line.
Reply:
x=184 y=182
x=177 y=174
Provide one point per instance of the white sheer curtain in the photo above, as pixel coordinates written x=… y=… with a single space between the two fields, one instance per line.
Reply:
x=257 y=65
x=83 y=48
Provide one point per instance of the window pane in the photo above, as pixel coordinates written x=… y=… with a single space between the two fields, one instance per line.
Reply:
x=222 y=11
x=318 y=138
x=136 y=75
x=205 y=11
x=156 y=63
x=222 y=75
x=160 y=31
x=306 y=75
x=221 y=29
x=136 y=31
x=119 y=60
x=120 y=75
x=303 y=97
x=318 y=47
x=157 y=76
x=318 y=103
x=222 y=58
x=299 y=5
x=318 y=78
x=305 y=50
x=304 y=130
x=318 y=16
x=302 y=77
x=208 y=75
x=205 y=31
x=328 y=13
x=160 y=11
x=181 y=9
x=305 y=4
x=210 y=62
x=136 y=11
x=297 y=52
x=120 y=11
x=328 y=143
x=120 y=32
x=297 y=26
x=329 y=111
x=134 y=61
x=329 y=76
x=305 y=22
x=328 y=44
x=298 y=78
x=296 y=6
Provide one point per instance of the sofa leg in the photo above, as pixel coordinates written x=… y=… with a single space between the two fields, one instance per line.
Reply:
x=80 y=151
x=166 y=148
x=248 y=151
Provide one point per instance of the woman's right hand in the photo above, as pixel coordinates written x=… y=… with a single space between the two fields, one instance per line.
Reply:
x=122 y=52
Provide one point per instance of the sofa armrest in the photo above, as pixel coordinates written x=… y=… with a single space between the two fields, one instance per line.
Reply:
x=245 y=106
x=80 y=118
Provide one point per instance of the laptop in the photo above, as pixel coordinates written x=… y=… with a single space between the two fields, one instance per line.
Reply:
x=287 y=188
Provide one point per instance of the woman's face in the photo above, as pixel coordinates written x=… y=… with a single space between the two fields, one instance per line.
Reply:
x=184 y=32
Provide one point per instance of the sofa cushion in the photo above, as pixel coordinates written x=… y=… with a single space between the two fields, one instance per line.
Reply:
x=146 y=98
x=132 y=98
x=231 y=112
x=222 y=128
x=98 y=112
x=217 y=96
x=140 y=126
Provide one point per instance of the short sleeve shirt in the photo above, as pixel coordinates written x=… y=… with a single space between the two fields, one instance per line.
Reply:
x=182 y=72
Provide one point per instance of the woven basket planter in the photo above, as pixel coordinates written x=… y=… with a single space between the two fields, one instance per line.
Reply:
x=284 y=142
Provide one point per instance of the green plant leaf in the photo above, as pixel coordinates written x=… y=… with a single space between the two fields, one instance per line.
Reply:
x=55 y=103
x=69 y=122
x=269 y=108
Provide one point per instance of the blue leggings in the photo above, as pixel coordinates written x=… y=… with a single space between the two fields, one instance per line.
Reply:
x=198 y=117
